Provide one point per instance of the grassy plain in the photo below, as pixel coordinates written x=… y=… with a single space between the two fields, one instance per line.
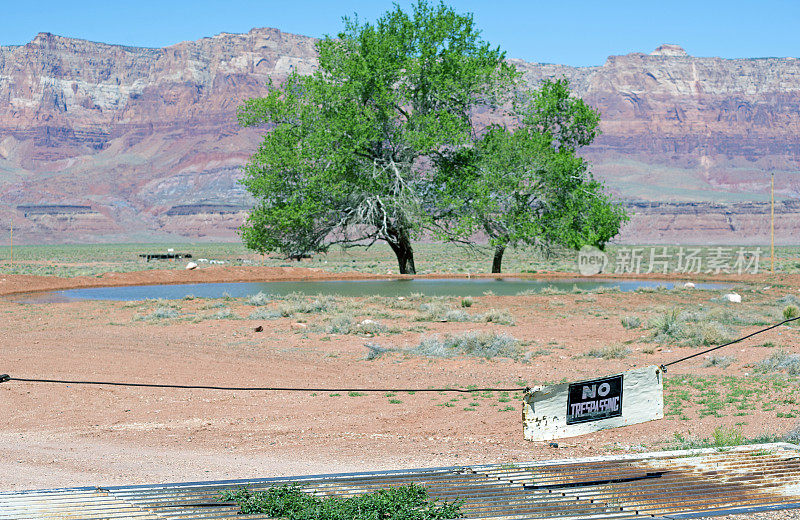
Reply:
x=96 y=259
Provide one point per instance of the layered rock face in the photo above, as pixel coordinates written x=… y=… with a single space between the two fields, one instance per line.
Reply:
x=133 y=133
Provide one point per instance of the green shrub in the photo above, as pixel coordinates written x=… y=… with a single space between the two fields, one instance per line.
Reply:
x=791 y=311
x=707 y=334
x=409 y=502
x=722 y=437
x=340 y=325
x=631 y=322
x=666 y=327
x=467 y=301
x=689 y=329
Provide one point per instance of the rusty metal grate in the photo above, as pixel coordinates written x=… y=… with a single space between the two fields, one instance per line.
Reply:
x=678 y=484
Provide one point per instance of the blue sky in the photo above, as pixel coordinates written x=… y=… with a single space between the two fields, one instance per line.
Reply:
x=553 y=31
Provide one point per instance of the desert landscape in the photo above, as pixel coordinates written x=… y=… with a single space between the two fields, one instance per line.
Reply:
x=64 y=435
x=376 y=261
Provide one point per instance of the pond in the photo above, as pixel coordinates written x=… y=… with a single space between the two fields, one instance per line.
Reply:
x=392 y=288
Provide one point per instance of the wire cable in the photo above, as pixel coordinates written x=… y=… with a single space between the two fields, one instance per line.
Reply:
x=664 y=367
x=6 y=377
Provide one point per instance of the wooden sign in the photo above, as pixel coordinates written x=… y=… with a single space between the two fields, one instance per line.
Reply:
x=571 y=409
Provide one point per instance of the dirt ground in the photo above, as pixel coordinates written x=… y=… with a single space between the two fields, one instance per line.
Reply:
x=73 y=435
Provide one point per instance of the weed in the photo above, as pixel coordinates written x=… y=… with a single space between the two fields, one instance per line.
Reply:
x=355 y=394
x=475 y=344
x=299 y=304
x=467 y=301
x=223 y=314
x=688 y=329
x=789 y=299
x=502 y=317
x=214 y=305
x=791 y=311
x=722 y=437
x=162 y=313
x=376 y=351
x=609 y=352
x=657 y=288
x=395 y=401
x=719 y=361
x=263 y=314
x=631 y=322
x=370 y=327
x=456 y=315
x=666 y=326
x=532 y=354
x=707 y=334
x=410 y=502
x=550 y=290
x=340 y=325
x=260 y=299
x=779 y=362
x=433 y=311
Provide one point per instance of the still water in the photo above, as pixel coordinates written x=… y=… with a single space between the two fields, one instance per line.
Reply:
x=394 y=288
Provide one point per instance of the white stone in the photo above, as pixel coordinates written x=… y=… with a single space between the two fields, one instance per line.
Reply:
x=688 y=285
x=190 y=266
x=732 y=297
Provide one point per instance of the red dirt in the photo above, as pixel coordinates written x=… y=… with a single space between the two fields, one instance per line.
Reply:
x=69 y=435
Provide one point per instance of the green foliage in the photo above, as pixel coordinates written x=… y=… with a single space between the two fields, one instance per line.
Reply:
x=351 y=145
x=526 y=184
x=691 y=329
x=409 y=502
x=722 y=437
x=791 y=311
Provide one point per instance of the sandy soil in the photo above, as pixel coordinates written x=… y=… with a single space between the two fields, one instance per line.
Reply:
x=72 y=435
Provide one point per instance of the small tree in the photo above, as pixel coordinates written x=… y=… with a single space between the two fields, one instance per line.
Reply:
x=352 y=148
x=527 y=185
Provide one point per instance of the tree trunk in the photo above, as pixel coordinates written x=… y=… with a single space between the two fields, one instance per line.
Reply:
x=497 y=262
x=400 y=242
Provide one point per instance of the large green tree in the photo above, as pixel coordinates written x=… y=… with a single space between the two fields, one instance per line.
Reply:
x=525 y=184
x=351 y=150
